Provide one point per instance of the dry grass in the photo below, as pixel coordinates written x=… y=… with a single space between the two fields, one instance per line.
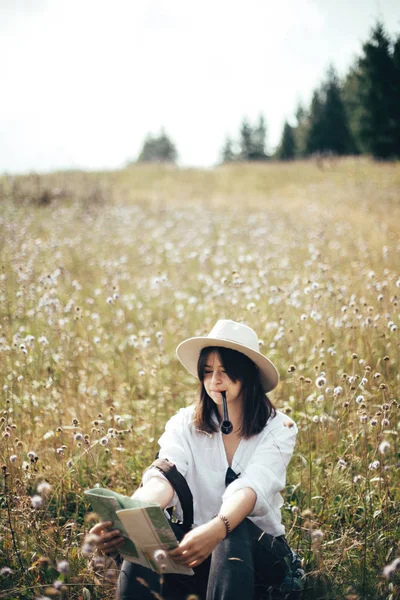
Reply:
x=101 y=276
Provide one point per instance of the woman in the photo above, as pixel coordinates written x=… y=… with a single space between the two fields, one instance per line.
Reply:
x=237 y=545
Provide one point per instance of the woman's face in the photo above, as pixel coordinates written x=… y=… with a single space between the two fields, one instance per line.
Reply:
x=216 y=381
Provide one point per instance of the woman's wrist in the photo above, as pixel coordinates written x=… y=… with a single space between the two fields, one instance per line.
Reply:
x=221 y=525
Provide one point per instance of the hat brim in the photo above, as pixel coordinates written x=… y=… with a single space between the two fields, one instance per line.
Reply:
x=188 y=353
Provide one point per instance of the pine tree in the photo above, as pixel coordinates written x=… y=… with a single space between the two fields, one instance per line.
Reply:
x=287 y=147
x=315 y=134
x=227 y=152
x=351 y=94
x=158 y=149
x=328 y=129
x=259 y=141
x=301 y=130
x=246 y=141
x=378 y=77
x=396 y=96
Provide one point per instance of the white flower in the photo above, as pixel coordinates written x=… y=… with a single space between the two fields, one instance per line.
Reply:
x=320 y=381
x=43 y=488
x=78 y=437
x=317 y=535
x=315 y=419
x=36 y=501
x=391 y=568
x=104 y=441
x=338 y=390
x=13 y=458
x=342 y=463
x=374 y=465
x=63 y=566
x=360 y=399
x=383 y=447
x=160 y=557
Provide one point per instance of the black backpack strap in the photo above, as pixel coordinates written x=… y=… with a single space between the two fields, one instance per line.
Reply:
x=180 y=486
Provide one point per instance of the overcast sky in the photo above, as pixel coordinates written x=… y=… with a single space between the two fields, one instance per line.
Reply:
x=83 y=81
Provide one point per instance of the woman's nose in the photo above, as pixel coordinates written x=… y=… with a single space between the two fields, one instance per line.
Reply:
x=216 y=376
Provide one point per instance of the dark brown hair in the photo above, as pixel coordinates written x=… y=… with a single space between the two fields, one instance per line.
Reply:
x=257 y=407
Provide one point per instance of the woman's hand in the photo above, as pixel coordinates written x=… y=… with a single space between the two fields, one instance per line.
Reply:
x=108 y=541
x=198 y=544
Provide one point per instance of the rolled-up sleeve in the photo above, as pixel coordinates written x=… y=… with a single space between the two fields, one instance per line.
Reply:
x=174 y=447
x=266 y=472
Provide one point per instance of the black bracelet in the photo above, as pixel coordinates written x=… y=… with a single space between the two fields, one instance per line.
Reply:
x=226 y=523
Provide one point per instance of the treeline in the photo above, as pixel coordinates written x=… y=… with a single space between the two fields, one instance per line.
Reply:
x=358 y=115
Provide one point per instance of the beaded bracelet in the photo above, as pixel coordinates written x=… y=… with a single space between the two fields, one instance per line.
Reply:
x=226 y=523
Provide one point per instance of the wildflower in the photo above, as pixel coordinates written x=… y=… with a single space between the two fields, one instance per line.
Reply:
x=78 y=437
x=360 y=399
x=374 y=465
x=315 y=419
x=109 y=300
x=160 y=557
x=69 y=463
x=342 y=463
x=43 y=488
x=60 y=450
x=364 y=418
x=391 y=568
x=57 y=584
x=63 y=566
x=104 y=441
x=87 y=549
x=373 y=422
x=320 y=381
x=36 y=501
x=357 y=478
x=383 y=447
x=31 y=455
x=13 y=458
x=338 y=390
x=317 y=535
x=385 y=422
x=6 y=571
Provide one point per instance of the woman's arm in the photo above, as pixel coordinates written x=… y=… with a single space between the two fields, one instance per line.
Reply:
x=156 y=489
x=201 y=541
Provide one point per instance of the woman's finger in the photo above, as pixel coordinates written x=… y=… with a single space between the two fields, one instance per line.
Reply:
x=99 y=527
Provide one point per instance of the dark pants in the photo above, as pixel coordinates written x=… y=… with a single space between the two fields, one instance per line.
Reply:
x=241 y=567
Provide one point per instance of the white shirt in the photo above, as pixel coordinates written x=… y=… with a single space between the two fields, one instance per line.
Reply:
x=200 y=457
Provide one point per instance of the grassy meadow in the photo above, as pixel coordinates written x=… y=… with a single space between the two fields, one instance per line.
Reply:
x=103 y=274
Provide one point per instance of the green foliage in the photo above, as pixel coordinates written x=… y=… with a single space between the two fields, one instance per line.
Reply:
x=159 y=149
x=251 y=143
x=227 y=154
x=379 y=74
x=328 y=130
x=287 y=148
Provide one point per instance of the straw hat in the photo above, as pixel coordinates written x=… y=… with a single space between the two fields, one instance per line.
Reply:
x=229 y=334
